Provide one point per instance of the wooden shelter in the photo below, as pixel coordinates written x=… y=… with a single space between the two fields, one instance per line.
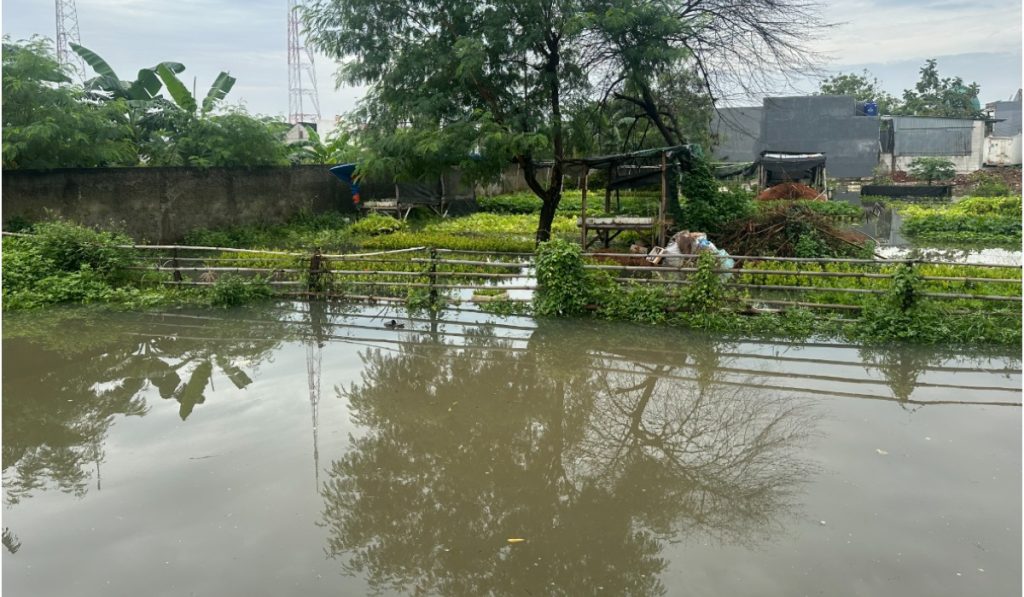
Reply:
x=637 y=169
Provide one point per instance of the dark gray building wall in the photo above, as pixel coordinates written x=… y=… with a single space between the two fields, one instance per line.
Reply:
x=738 y=133
x=823 y=123
x=1010 y=112
x=163 y=204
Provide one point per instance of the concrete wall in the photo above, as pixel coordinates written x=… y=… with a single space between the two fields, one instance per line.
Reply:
x=162 y=204
x=823 y=123
x=1003 y=151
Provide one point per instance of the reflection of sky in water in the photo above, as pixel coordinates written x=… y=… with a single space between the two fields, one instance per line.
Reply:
x=226 y=501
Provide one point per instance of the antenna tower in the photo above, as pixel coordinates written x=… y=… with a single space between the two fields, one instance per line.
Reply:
x=67 y=33
x=302 y=95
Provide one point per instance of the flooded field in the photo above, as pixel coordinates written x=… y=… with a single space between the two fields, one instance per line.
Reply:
x=298 y=449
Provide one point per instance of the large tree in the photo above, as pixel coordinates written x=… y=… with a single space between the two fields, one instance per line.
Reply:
x=946 y=97
x=48 y=123
x=863 y=87
x=506 y=78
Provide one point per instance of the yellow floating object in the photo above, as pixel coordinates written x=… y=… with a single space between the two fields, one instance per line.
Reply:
x=514 y=540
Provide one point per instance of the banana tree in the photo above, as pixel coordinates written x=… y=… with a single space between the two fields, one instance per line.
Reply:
x=185 y=100
x=145 y=87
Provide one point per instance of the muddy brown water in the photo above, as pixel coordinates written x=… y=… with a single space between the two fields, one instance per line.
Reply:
x=296 y=450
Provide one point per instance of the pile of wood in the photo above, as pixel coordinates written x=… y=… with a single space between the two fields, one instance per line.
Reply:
x=777 y=231
x=790 y=191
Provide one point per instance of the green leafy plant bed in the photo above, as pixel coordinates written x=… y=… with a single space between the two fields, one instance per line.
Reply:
x=636 y=202
x=977 y=221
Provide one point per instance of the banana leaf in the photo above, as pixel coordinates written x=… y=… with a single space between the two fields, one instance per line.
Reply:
x=179 y=93
x=218 y=91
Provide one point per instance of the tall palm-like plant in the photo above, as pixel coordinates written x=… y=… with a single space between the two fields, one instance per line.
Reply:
x=145 y=87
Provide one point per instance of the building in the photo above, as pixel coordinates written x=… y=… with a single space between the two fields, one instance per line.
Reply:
x=1003 y=146
x=856 y=144
x=959 y=140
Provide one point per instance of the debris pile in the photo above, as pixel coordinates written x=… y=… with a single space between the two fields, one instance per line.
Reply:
x=789 y=191
x=792 y=230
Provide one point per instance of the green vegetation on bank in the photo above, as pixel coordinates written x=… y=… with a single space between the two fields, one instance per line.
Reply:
x=900 y=314
x=64 y=263
x=971 y=221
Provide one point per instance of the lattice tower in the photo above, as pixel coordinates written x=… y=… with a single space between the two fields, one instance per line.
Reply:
x=67 y=33
x=303 y=101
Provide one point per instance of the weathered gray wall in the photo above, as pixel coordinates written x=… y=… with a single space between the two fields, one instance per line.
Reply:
x=1010 y=113
x=162 y=204
x=823 y=123
x=738 y=132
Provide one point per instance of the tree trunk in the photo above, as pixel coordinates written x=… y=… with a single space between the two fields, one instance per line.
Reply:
x=547 y=212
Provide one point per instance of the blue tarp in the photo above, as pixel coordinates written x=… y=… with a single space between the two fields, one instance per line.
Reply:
x=344 y=173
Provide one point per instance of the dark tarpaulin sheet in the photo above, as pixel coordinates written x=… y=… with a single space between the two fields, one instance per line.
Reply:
x=788 y=168
x=944 y=190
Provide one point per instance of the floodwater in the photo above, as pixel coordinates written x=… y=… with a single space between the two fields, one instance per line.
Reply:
x=291 y=449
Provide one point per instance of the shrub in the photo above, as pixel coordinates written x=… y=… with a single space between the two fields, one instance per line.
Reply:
x=377 y=224
x=932 y=169
x=706 y=293
x=707 y=209
x=232 y=290
x=562 y=281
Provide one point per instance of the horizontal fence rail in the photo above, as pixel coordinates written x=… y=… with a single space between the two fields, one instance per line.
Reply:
x=456 y=275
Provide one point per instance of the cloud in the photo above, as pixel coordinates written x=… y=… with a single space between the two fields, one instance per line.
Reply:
x=979 y=41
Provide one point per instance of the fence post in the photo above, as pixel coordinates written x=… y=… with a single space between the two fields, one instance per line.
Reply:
x=432 y=277
x=315 y=263
x=174 y=263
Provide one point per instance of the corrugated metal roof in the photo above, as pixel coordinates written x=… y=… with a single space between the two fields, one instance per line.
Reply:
x=923 y=136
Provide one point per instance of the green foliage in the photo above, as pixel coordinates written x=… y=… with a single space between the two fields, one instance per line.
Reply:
x=476 y=232
x=862 y=87
x=49 y=124
x=108 y=85
x=232 y=290
x=329 y=231
x=632 y=202
x=62 y=263
x=989 y=185
x=705 y=293
x=932 y=169
x=635 y=302
x=705 y=207
x=377 y=224
x=945 y=97
x=224 y=140
x=974 y=220
x=339 y=147
x=563 y=288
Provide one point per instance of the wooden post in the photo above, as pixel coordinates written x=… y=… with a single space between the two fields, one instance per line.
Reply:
x=608 y=188
x=174 y=263
x=664 y=201
x=583 y=210
x=432 y=277
x=315 y=263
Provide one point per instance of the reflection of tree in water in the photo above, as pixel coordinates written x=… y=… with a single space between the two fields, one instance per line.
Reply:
x=60 y=397
x=901 y=366
x=596 y=461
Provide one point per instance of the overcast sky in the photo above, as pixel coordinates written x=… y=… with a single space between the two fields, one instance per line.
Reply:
x=977 y=40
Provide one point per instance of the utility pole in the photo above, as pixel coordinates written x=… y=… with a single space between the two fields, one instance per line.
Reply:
x=67 y=33
x=303 y=101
